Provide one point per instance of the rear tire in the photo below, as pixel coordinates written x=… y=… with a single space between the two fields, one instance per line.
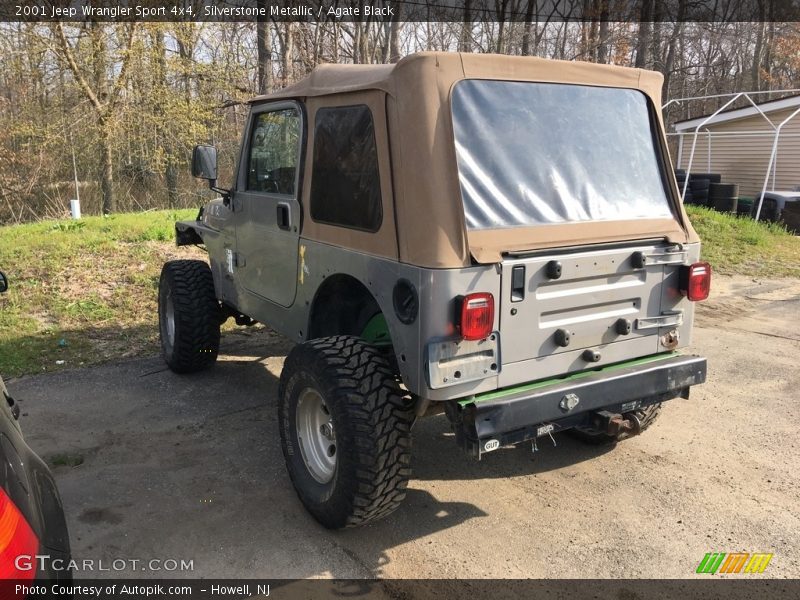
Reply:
x=345 y=428
x=189 y=316
x=646 y=416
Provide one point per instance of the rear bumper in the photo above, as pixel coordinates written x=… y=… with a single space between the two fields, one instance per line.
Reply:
x=529 y=412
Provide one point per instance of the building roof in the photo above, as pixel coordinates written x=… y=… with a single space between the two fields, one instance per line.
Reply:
x=740 y=113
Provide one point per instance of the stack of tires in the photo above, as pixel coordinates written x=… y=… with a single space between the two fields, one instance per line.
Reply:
x=680 y=177
x=699 y=184
x=707 y=189
x=723 y=197
x=699 y=189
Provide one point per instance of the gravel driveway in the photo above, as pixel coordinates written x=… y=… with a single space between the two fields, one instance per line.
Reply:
x=190 y=467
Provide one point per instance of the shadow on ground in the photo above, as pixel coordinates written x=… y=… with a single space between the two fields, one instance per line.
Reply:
x=154 y=464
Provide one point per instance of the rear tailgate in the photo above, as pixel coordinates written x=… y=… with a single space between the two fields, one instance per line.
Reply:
x=567 y=312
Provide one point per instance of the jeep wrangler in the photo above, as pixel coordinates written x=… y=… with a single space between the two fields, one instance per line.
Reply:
x=496 y=238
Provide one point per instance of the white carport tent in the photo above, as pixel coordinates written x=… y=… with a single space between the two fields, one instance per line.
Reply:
x=693 y=127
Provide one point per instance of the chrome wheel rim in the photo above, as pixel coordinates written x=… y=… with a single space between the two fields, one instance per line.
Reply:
x=315 y=435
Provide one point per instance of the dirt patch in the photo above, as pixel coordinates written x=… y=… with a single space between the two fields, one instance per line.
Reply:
x=191 y=467
x=764 y=307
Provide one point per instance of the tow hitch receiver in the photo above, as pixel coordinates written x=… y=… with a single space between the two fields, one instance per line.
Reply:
x=614 y=424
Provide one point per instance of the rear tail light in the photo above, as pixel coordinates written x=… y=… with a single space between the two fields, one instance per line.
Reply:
x=477 y=316
x=696 y=281
x=17 y=539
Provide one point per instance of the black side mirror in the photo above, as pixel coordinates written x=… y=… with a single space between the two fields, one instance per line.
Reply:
x=204 y=163
x=3 y=282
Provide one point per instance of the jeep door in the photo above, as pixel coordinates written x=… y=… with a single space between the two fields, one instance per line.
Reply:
x=266 y=203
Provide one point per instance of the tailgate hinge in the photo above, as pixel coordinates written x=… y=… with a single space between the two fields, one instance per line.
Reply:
x=641 y=260
x=667 y=319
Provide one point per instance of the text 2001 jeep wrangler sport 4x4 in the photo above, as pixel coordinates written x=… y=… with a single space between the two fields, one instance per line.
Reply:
x=497 y=238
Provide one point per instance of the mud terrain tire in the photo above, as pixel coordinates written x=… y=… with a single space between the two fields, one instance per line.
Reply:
x=189 y=316
x=357 y=469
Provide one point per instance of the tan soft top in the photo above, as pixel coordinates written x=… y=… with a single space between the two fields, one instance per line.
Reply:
x=428 y=210
x=430 y=68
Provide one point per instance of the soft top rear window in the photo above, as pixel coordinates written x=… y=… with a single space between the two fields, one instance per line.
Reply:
x=541 y=153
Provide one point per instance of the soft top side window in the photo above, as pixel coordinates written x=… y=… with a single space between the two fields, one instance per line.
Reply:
x=273 y=152
x=345 y=181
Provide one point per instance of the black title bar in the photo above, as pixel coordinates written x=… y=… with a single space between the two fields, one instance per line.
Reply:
x=310 y=11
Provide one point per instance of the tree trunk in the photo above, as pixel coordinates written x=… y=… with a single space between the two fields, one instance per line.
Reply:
x=594 y=37
x=107 y=165
x=585 y=34
x=357 y=34
x=677 y=34
x=365 y=53
x=335 y=36
x=526 y=35
x=562 y=50
x=164 y=137
x=602 y=36
x=171 y=176
x=394 y=37
x=645 y=34
x=186 y=43
x=465 y=41
x=767 y=68
x=287 y=52
x=264 y=52
x=656 y=52
x=99 y=61
x=501 y=6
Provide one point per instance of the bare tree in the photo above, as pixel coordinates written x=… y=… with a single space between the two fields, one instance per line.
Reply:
x=645 y=34
x=102 y=96
x=264 y=45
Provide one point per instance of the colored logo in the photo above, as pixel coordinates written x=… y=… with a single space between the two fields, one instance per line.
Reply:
x=734 y=562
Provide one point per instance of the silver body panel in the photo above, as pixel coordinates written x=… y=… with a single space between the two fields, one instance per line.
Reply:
x=523 y=350
x=594 y=289
x=462 y=361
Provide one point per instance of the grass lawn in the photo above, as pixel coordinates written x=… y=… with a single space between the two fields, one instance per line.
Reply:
x=741 y=246
x=83 y=292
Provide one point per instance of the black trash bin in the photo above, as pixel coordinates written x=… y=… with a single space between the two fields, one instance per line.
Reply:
x=744 y=207
x=723 y=196
x=770 y=210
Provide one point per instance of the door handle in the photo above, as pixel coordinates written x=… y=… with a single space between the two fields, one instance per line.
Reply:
x=284 y=216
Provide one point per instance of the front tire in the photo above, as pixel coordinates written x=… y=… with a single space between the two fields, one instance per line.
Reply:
x=189 y=316
x=345 y=428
